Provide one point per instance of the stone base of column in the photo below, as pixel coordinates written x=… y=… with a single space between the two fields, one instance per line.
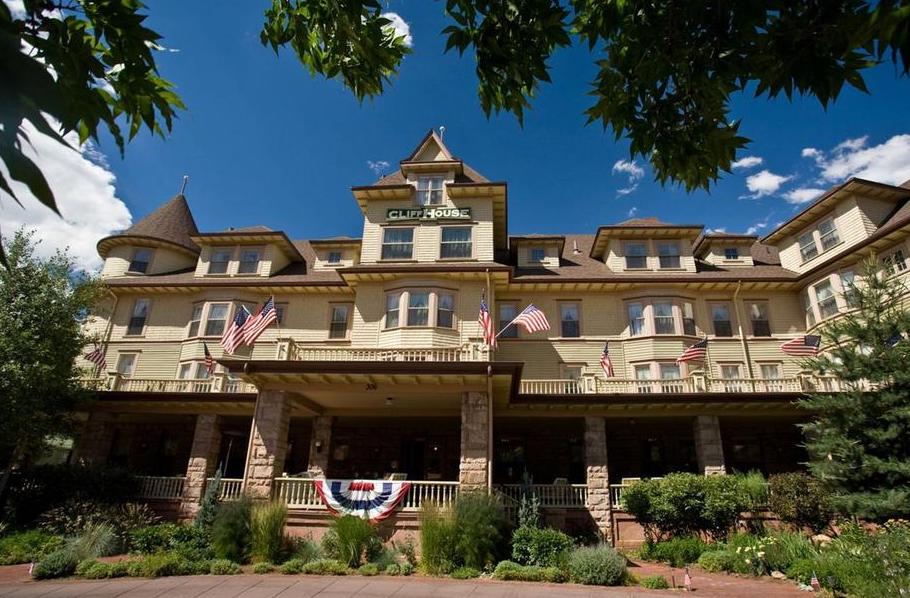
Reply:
x=93 y=446
x=320 y=445
x=269 y=443
x=709 y=446
x=473 y=467
x=598 y=478
x=202 y=463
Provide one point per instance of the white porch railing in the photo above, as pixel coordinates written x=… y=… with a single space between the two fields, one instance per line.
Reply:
x=297 y=492
x=741 y=385
x=550 y=495
x=161 y=486
x=591 y=385
x=301 y=493
x=616 y=491
x=470 y=352
x=553 y=387
x=216 y=384
x=230 y=488
x=441 y=493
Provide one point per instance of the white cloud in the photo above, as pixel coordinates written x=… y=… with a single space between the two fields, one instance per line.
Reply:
x=802 y=194
x=888 y=162
x=401 y=27
x=765 y=183
x=84 y=188
x=632 y=212
x=632 y=170
x=747 y=162
x=758 y=226
x=720 y=230
x=378 y=167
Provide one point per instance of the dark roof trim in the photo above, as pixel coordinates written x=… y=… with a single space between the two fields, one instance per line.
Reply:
x=479 y=184
x=434 y=267
x=141 y=282
x=380 y=187
x=128 y=239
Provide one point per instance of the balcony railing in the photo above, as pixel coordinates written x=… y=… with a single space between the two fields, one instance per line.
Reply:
x=694 y=384
x=161 y=487
x=570 y=496
x=216 y=384
x=300 y=493
x=229 y=489
x=469 y=352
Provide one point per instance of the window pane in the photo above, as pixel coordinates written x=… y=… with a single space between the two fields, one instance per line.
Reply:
x=636 y=255
x=334 y=257
x=569 y=319
x=807 y=247
x=429 y=191
x=507 y=312
x=758 y=312
x=338 y=328
x=688 y=319
x=139 y=316
x=397 y=243
x=668 y=254
x=392 y=306
x=418 y=309
x=643 y=372
x=218 y=263
x=456 y=242
x=720 y=315
x=249 y=261
x=663 y=318
x=669 y=371
x=125 y=364
x=827 y=303
x=729 y=371
x=538 y=255
x=141 y=259
x=828 y=234
x=214 y=325
x=770 y=371
x=636 y=319
x=194 y=320
x=731 y=253
x=445 y=305
x=185 y=369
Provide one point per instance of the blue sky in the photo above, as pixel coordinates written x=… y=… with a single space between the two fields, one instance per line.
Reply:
x=264 y=143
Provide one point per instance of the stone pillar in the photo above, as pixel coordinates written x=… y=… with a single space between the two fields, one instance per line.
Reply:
x=709 y=447
x=474 y=465
x=95 y=439
x=320 y=445
x=268 y=443
x=598 y=478
x=203 y=461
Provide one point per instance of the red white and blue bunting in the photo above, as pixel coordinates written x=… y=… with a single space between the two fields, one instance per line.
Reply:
x=369 y=499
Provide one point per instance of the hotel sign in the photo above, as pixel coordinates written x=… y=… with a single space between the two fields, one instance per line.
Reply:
x=394 y=214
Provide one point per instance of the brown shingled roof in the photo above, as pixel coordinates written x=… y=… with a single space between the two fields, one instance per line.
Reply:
x=172 y=222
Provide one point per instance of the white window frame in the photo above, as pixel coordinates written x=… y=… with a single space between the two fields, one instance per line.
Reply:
x=227 y=263
x=808 y=249
x=430 y=188
x=830 y=301
x=392 y=244
x=333 y=332
x=643 y=327
x=671 y=316
x=334 y=262
x=133 y=316
x=134 y=357
x=627 y=254
x=726 y=305
x=443 y=243
x=895 y=262
x=428 y=308
x=450 y=310
x=204 y=326
x=762 y=305
x=393 y=299
x=832 y=232
x=195 y=323
x=564 y=305
x=674 y=260
x=147 y=262
x=240 y=261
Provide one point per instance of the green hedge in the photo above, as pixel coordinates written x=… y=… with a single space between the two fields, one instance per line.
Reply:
x=543 y=547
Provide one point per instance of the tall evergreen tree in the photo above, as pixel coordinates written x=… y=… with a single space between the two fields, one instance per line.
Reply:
x=859 y=440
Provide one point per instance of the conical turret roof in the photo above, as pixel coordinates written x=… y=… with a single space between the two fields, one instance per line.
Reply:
x=172 y=222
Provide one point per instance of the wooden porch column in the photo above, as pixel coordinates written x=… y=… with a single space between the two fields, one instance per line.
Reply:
x=95 y=439
x=474 y=465
x=268 y=443
x=202 y=463
x=320 y=445
x=598 y=479
x=709 y=446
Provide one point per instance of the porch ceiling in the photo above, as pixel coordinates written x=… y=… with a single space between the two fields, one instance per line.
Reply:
x=172 y=403
x=770 y=404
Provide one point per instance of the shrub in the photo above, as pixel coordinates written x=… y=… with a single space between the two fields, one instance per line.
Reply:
x=158 y=565
x=465 y=573
x=223 y=567
x=597 y=565
x=264 y=567
x=654 y=582
x=231 y=535
x=292 y=567
x=406 y=549
x=511 y=571
x=392 y=569
x=27 y=546
x=785 y=548
x=542 y=547
x=678 y=552
x=325 y=567
x=480 y=522
x=267 y=530
x=351 y=540
x=72 y=517
x=755 y=489
x=190 y=542
x=438 y=540
x=800 y=500
x=368 y=570
x=60 y=563
x=208 y=507
x=306 y=550
x=715 y=561
x=406 y=568
x=93 y=569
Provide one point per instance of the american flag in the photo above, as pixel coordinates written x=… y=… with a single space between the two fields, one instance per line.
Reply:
x=256 y=325
x=486 y=324
x=804 y=346
x=605 y=362
x=233 y=335
x=814 y=582
x=696 y=352
x=96 y=356
x=531 y=319
x=209 y=360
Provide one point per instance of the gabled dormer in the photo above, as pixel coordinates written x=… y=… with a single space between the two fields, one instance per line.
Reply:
x=537 y=251
x=159 y=243
x=725 y=250
x=434 y=208
x=251 y=252
x=338 y=252
x=646 y=244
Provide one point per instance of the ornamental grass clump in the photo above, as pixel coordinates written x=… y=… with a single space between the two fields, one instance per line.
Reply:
x=352 y=541
x=597 y=565
x=471 y=533
x=231 y=533
x=268 y=540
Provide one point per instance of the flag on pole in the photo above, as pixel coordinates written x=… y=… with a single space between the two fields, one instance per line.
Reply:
x=209 y=360
x=486 y=324
x=804 y=346
x=696 y=352
x=687 y=581
x=605 y=362
x=257 y=324
x=233 y=334
x=531 y=319
x=96 y=356
x=814 y=582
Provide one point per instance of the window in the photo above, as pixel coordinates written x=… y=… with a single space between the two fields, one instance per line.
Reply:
x=397 y=243
x=456 y=242
x=729 y=372
x=810 y=313
x=688 y=319
x=507 y=313
x=807 y=247
x=828 y=234
x=445 y=310
x=720 y=316
x=418 y=308
x=568 y=320
x=895 y=263
x=636 y=255
x=392 y=310
x=214 y=323
x=668 y=255
x=195 y=318
x=142 y=256
x=139 y=316
x=848 y=282
x=126 y=363
x=538 y=255
x=249 y=261
x=770 y=371
x=429 y=190
x=642 y=374
x=758 y=313
x=636 y=319
x=193 y=370
x=186 y=369
x=824 y=296
x=334 y=257
x=338 y=322
x=663 y=318
x=731 y=253
x=670 y=379
x=219 y=260
x=280 y=310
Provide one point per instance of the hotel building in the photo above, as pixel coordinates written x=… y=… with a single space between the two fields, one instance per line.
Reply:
x=377 y=364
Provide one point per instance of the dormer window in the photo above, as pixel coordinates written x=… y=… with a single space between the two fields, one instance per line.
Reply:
x=807 y=247
x=668 y=255
x=249 y=261
x=142 y=256
x=731 y=253
x=334 y=258
x=219 y=260
x=636 y=256
x=537 y=255
x=429 y=190
x=828 y=234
